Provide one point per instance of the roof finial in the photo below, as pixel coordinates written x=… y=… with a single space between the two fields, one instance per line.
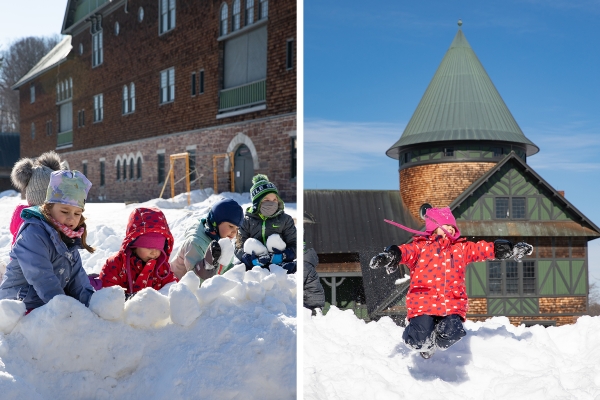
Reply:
x=459 y=22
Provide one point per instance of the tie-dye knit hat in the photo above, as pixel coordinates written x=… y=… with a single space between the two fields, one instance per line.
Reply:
x=68 y=187
x=434 y=218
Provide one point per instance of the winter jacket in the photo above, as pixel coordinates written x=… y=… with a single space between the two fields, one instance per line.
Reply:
x=260 y=227
x=197 y=239
x=314 y=295
x=43 y=266
x=437 y=274
x=114 y=272
x=16 y=221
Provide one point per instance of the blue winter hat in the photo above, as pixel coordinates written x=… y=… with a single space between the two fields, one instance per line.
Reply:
x=226 y=210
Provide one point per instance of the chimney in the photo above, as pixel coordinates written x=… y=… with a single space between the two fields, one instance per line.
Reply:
x=561 y=192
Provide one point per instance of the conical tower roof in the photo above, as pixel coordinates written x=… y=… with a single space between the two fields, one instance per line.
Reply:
x=461 y=104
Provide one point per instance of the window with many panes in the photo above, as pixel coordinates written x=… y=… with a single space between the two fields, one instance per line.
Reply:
x=511 y=278
x=167 y=15
x=249 y=12
x=236 y=15
x=128 y=98
x=161 y=167
x=98 y=107
x=223 y=23
x=167 y=85
x=64 y=101
x=97 y=49
x=510 y=207
x=263 y=9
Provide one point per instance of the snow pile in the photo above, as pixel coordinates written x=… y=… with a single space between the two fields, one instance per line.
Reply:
x=346 y=358
x=235 y=337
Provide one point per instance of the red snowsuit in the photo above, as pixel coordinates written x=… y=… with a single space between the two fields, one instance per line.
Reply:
x=114 y=271
x=437 y=274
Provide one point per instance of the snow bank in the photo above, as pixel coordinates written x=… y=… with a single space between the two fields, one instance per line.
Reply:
x=219 y=341
x=346 y=358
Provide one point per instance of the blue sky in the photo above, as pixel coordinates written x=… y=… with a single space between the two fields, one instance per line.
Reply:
x=367 y=65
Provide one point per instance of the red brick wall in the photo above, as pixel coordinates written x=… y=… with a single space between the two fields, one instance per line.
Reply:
x=438 y=184
x=138 y=54
x=270 y=137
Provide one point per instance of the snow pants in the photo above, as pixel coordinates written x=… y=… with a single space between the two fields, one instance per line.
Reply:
x=425 y=332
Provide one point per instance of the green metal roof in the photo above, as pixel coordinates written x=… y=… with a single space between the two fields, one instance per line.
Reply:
x=461 y=103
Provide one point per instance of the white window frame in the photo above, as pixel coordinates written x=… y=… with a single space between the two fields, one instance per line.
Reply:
x=167 y=86
x=98 y=107
x=166 y=17
x=236 y=14
x=249 y=14
x=97 y=49
x=223 y=13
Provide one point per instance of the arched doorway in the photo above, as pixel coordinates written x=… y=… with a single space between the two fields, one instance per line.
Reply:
x=244 y=169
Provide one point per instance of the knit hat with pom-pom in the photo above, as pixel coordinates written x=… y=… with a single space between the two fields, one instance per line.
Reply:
x=33 y=176
x=260 y=188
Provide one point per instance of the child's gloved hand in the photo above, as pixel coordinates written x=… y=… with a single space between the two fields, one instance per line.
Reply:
x=262 y=260
x=211 y=258
x=521 y=250
x=503 y=249
x=389 y=259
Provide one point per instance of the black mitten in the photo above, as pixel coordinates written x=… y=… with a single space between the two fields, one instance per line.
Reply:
x=521 y=250
x=389 y=259
x=211 y=258
x=503 y=249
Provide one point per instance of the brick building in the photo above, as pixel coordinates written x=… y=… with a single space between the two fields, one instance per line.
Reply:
x=135 y=81
x=462 y=148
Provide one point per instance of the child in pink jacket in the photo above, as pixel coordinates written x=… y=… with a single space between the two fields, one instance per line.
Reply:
x=437 y=301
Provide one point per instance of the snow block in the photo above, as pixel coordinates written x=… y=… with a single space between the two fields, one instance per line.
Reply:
x=11 y=311
x=236 y=273
x=252 y=245
x=109 y=303
x=227 y=251
x=213 y=288
x=183 y=304
x=147 y=309
x=275 y=242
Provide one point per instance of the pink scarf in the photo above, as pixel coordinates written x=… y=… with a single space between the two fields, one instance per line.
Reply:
x=68 y=231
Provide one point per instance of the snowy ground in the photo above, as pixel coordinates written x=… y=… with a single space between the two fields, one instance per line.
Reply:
x=346 y=358
x=234 y=338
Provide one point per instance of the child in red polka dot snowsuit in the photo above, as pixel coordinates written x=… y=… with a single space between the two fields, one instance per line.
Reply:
x=437 y=300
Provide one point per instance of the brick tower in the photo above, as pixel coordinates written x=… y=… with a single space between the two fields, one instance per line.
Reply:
x=460 y=129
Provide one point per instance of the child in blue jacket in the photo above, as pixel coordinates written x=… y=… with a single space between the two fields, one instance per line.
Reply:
x=45 y=259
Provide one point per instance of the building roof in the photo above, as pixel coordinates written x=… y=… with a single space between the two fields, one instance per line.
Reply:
x=580 y=225
x=461 y=104
x=54 y=57
x=80 y=11
x=9 y=149
x=352 y=221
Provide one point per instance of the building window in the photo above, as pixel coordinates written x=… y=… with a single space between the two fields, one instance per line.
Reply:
x=511 y=278
x=167 y=15
x=101 y=173
x=249 y=12
x=201 y=82
x=245 y=59
x=263 y=9
x=161 y=167
x=129 y=98
x=80 y=48
x=97 y=49
x=223 y=24
x=511 y=207
x=448 y=151
x=32 y=93
x=118 y=170
x=49 y=128
x=98 y=108
x=81 y=118
x=167 y=85
x=131 y=169
x=33 y=130
x=84 y=168
x=140 y=14
x=192 y=164
x=294 y=159
x=235 y=15
x=124 y=170
x=498 y=151
x=139 y=168
x=64 y=101
x=193 y=83
x=289 y=54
